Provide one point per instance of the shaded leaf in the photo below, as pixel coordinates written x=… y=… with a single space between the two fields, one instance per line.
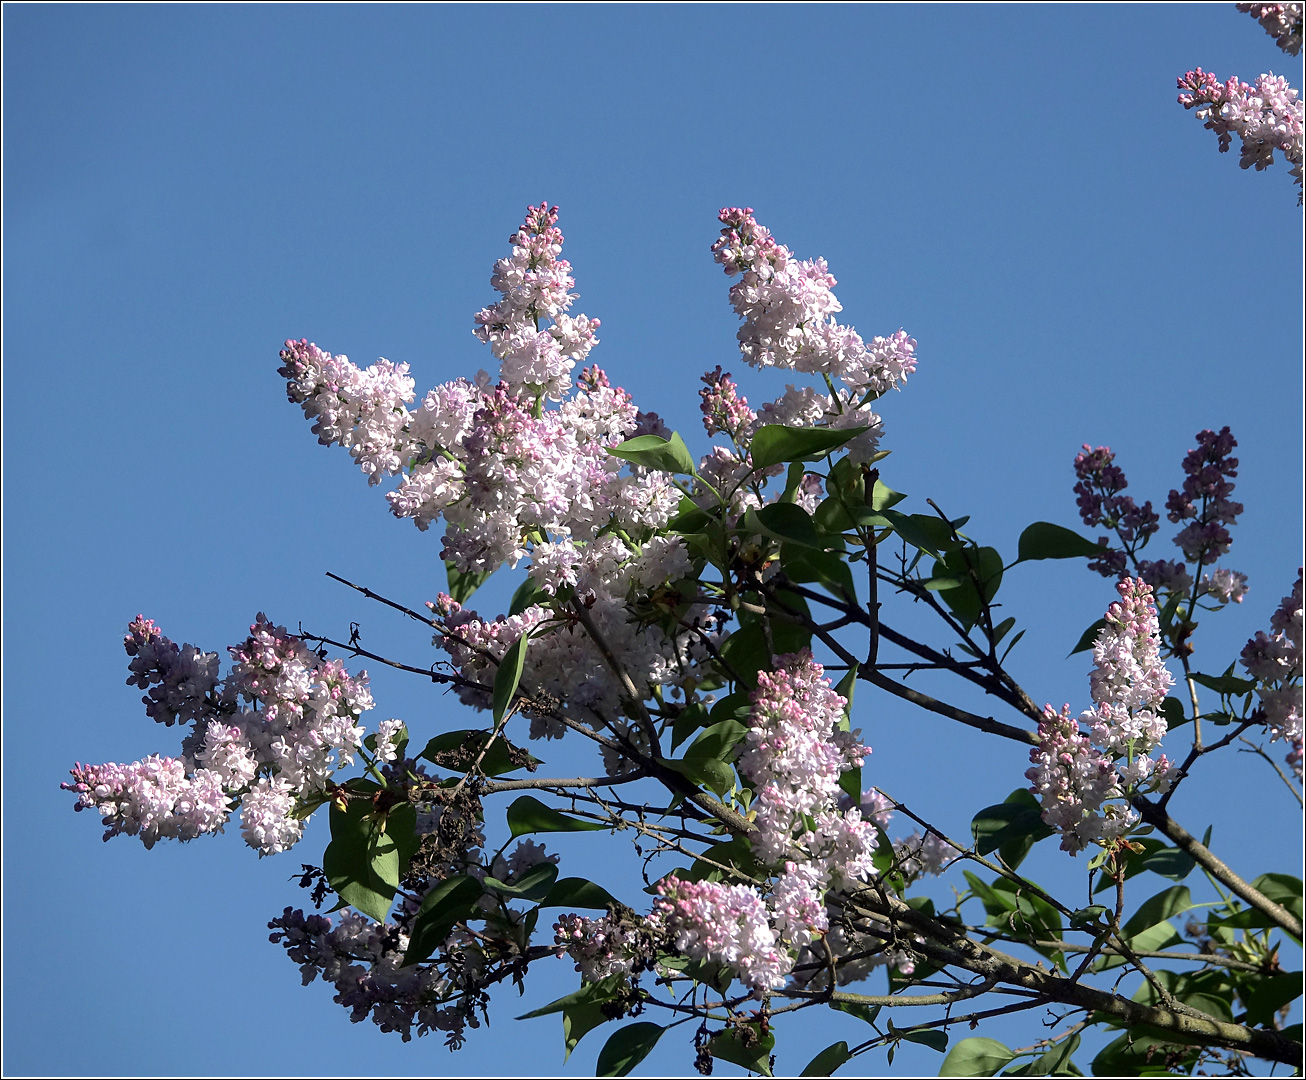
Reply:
x=574 y=892
x=627 y=1047
x=787 y=522
x=528 y=815
x=931 y=1037
x=828 y=1060
x=451 y=901
x=595 y=992
x=755 y=1057
x=508 y=676
x=1044 y=540
x=463 y=583
x=1088 y=637
x=534 y=884
x=1157 y=909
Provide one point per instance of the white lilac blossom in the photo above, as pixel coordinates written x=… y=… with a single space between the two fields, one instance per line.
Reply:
x=788 y=311
x=1083 y=771
x=1274 y=660
x=1266 y=117
x=728 y=924
x=794 y=756
x=301 y=727
x=513 y=469
x=1283 y=22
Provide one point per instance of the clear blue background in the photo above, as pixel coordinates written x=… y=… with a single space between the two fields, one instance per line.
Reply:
x=185 y=187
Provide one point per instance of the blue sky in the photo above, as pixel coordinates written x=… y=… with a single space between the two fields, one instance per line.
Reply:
x=185 y=187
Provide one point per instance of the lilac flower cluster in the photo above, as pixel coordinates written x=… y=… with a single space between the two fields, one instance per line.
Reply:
x=536 y=286
x=364 y=959
x=793 y=757
x=1204 y=501
x=788 y=310
x=502 y=470
x=1266 y=117
x=1208 y=472
x=1274 y=660
x=301 y=727
x=728 y=924
x=1098 y=483
x=570 y=668
x=1076 y=773
x=725 y=410
x=1283 y=22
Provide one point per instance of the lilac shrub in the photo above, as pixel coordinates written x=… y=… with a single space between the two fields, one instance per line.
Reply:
x=668 y=622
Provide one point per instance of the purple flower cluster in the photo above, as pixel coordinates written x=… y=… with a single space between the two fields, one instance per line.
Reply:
x=725 y=410
x=1274 y=660
x=1083 y=778
x=1099 y=481
x=301 y=728
x=1204 y=499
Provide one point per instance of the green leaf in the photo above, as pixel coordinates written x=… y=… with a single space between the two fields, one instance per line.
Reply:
x=1013 y=826
x=1226 y=685
x=746 y=652
x=687 y=722
x=354 y=856
x=508 y=677
x=787 y=522
x=463 y=583
x=866 y=1013
x=1043 y=540
x=964 y=601
x=1154 y=939
x=755 y=1057
x=627 y=1047
x=668 y=455
x=690 y=517
x=925 y=531
x=1088 y=638
x=976 y=1057
x=458 y=750
x=1132 y=1054
x=578 y=1021
x=574 y=892
x=775 y=443
x=828 y=1060
x=1056 y=1060
x=1157 y=909
x=528 y=593
x=828 y=569
x=1173 y=711
x=529 y=815
x=589 y=993
x=931 y=1037
x=1269 y=994
x=1284 y=889
x=534 y=884
x=451 y=901
x=736 y=853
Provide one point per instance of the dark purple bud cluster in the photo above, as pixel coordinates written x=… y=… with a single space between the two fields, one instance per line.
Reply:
x=1204 y=499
